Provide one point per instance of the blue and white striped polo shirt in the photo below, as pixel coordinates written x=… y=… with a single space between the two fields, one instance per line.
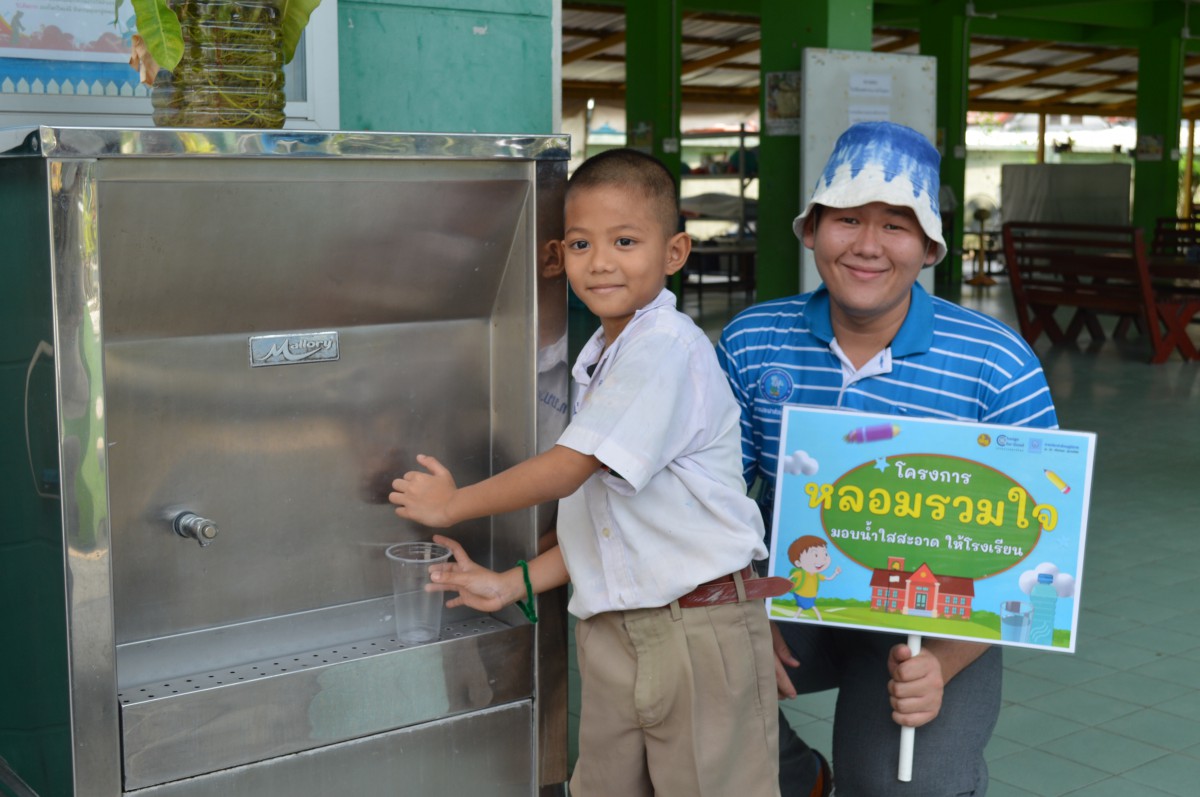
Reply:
x=946 y=361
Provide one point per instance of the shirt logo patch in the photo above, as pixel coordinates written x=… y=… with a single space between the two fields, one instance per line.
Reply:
x=775 y=385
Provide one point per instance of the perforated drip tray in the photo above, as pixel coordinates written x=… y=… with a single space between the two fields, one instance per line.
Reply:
x=308 y=660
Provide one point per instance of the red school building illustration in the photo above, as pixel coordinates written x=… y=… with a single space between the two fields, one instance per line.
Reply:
x=920 y=592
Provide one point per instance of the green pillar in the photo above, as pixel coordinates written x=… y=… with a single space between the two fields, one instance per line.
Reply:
x=787 y=28
x=1160 y=88
x=652 y=69
x=944 y=36
x=653 y=90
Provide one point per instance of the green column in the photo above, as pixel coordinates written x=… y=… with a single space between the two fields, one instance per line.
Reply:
x=1160 y=87
x=943 y=35
x=652 y=84
x=787 y=28
x=652 y=68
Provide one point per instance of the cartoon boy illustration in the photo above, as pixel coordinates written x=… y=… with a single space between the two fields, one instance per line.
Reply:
x=810 y=556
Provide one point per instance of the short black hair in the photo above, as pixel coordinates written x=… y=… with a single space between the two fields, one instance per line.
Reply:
x=632 y=170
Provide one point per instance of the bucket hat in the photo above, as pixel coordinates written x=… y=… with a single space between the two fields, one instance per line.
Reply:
x=882 y=162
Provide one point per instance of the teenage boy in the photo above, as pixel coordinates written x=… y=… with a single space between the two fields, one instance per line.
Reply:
x=872 y=339
x=654 y=527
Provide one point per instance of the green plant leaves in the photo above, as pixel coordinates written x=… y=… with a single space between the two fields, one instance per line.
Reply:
x=159 y=27
x=295 y=18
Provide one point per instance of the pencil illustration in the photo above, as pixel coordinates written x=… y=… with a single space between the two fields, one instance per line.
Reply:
x=1057 y=481
x=869 y=434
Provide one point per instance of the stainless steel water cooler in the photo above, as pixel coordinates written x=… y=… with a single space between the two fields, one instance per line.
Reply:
x=218 y=349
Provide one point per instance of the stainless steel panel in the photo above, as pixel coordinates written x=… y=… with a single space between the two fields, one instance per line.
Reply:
x=83 y=463
x=259 y=246
x=487 y=753
x=293 y=463
x=553 y=385
x=208 y=721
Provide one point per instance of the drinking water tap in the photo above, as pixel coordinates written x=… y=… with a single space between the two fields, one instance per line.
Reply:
x=202 y=530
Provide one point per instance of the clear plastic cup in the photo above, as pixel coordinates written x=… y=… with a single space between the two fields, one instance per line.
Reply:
x=418 y=613
x=1015 y=618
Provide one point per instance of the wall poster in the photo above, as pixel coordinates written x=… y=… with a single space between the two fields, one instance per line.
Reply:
x=75 y=47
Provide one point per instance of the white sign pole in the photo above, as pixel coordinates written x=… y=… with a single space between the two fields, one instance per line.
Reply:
x=908 y=733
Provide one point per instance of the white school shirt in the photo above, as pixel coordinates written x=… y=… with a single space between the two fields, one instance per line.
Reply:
x=670 y=512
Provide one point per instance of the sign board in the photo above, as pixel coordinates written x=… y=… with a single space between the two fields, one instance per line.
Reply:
x=939 y=528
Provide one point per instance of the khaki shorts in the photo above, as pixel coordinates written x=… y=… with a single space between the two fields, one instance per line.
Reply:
x=677 y=703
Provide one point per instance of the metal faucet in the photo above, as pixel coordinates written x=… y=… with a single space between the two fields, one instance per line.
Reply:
x=202 y=530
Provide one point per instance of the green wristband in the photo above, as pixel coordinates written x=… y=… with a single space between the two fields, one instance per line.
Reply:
x=527 y=608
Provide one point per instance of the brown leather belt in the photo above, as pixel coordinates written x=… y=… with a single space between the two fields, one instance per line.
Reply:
x=724 y=590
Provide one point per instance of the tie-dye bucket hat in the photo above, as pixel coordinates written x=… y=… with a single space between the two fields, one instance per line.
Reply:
x=882 y=162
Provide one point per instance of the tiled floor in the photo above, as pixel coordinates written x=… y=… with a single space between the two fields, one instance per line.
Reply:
x=1121 y=717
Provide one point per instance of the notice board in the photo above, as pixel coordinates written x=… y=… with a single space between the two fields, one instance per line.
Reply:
x=842 y=87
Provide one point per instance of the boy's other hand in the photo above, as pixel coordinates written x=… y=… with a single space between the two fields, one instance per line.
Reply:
x=477 y=587
x=425 y=496
x=784 y=658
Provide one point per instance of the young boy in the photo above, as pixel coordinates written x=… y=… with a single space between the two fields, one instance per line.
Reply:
x=654 y=527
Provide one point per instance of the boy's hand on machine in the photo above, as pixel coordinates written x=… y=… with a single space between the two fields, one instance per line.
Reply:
x=425 y=496
x=477 y=587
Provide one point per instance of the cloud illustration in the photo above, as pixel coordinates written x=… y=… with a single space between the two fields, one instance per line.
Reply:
x=799 y=462
x=1064 y=583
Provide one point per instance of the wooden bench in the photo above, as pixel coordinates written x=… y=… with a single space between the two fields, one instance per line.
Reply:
x=1176 y=236
x=1097 y=270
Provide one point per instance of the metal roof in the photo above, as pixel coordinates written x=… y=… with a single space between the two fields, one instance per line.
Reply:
x=1007 y=74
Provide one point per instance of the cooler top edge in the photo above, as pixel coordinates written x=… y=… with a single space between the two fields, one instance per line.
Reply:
x=110 y=142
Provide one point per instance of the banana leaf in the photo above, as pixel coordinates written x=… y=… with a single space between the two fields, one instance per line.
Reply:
x=295 y=18
x=159 y=27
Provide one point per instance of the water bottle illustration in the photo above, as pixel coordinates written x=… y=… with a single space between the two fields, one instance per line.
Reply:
x=1044 y=598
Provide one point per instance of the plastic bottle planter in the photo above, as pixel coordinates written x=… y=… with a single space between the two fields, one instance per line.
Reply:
x=231 y=73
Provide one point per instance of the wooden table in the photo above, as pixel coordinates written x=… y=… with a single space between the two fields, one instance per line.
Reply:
x=727 y=266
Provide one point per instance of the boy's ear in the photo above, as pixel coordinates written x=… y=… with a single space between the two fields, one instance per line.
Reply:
x=552 y=259
x=679 y=246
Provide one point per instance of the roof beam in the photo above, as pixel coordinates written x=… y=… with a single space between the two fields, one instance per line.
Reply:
x=1120 y=14
x=1069 y=109
x=899 y=43
x=1098 y=58
x=580 y=90
x=1083 y=91
x=596 y=47
x=1005 y=52
x=1012 y=28
x=718 y=59
x=1105 y=85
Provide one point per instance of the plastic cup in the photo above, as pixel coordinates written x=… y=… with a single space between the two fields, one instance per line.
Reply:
x=1015 y=619
x=418 y=613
